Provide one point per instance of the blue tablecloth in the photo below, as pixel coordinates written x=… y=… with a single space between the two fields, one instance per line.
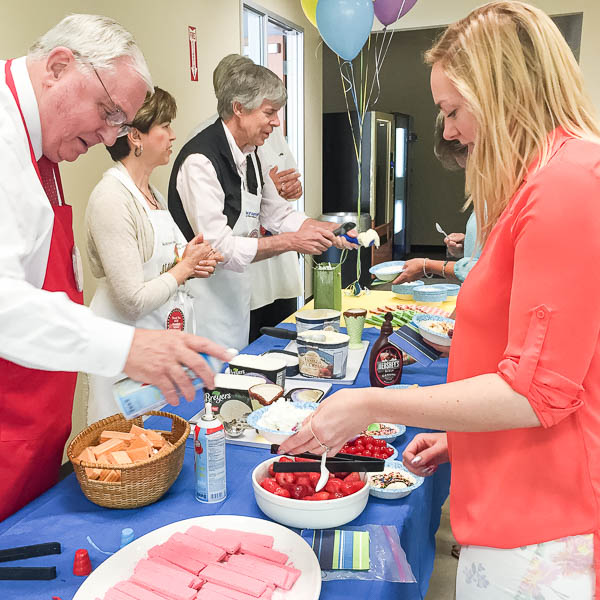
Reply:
x=63 y=514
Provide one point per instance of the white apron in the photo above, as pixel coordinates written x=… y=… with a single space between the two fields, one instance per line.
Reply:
x=176 y=313
x=222 y=302
x=277 y=277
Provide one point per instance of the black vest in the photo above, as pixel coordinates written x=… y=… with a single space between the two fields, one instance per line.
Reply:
x=212 y=143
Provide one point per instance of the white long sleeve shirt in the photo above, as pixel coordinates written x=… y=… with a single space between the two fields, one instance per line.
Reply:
x=40 y=329
x=203 y=200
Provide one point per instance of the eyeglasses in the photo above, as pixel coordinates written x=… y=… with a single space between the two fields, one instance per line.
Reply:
x=116 y=117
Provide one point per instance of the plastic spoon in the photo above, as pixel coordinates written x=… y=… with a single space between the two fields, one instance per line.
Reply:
x=440 y=230
x=324 y=478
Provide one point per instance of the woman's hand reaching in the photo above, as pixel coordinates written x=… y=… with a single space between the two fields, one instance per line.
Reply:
x=425 y=453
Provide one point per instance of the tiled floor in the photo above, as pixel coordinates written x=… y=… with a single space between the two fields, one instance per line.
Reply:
x=442 y=582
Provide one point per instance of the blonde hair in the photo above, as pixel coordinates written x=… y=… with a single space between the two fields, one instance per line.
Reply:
x=520 y=81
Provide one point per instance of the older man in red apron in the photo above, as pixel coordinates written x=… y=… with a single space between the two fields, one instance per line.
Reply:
x=54 y=104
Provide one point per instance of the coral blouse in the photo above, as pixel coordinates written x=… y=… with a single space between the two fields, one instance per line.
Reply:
x=530 y=311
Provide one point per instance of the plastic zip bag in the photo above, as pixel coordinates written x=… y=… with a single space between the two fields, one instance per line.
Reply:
x=387 y=558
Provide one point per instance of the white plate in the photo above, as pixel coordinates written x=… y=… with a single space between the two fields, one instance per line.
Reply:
x=120 y=565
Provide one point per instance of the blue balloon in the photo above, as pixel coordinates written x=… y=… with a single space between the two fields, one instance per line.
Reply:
x=345 y=25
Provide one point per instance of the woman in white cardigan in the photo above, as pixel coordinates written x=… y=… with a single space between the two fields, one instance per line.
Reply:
x=135 y=249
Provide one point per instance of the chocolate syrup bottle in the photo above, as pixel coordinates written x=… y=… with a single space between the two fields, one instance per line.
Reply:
x=385 y=360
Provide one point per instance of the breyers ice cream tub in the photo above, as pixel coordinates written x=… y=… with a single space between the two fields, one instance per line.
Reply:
x=270 y=368
x=323 y=354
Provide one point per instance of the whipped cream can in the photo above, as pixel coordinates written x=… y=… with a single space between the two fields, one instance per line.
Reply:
x=209 y=458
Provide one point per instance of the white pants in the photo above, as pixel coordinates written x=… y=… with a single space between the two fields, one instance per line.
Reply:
x=557 y=570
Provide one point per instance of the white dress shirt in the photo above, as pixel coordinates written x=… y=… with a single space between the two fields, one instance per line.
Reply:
x=40 y=329
x=203 y=200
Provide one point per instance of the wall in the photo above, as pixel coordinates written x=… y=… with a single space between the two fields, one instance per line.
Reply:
x=161 y=31
x=437 y=13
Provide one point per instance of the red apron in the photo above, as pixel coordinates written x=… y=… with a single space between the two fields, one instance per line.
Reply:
x=36 y=406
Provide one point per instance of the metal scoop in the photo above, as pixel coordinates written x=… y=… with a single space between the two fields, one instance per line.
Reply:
x=236 y=427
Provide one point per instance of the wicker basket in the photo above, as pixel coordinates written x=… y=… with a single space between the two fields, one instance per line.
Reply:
x=142 y=482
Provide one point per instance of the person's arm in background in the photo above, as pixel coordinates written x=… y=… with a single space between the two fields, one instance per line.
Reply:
x=420 y=268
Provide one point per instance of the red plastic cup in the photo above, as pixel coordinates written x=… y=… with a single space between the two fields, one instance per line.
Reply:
x=82 y=565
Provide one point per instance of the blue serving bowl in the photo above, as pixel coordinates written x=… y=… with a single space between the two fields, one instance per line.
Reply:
x=387 y=271
x=429 y=293
x=405 y=290
x=428 y=334
x=393 y=494
x=452 y=289
x=275 y=436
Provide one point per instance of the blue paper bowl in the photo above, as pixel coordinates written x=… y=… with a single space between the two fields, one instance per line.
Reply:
x=405 y=290
x=275 y=436
x=388 y=494
x=429 y=293
x=451 y=289
x=387 y=271
x=428 y=334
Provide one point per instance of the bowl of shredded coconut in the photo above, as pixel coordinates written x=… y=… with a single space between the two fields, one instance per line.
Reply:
x=281 y=419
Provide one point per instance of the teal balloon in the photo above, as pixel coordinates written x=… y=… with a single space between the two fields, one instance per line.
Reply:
x=345 y=25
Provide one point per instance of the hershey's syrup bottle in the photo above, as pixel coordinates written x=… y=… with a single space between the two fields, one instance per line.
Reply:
x=385 y=360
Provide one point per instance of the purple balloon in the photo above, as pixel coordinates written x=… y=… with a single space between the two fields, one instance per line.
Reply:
x=389 y=11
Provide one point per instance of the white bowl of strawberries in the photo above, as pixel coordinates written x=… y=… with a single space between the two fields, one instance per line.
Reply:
x=289 y=498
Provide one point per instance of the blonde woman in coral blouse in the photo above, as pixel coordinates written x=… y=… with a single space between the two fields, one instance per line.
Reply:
x=522 y=406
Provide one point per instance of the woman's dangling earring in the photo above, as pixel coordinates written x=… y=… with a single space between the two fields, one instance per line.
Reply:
x=138 y=150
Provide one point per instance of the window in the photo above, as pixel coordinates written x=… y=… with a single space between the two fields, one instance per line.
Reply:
x=273 y=42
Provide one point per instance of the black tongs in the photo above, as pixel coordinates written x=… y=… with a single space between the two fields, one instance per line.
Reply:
x=340 y=463
x=29 y=573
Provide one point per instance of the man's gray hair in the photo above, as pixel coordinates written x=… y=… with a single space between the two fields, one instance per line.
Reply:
x=225 y=65
x=249 y=84
x=94 y=40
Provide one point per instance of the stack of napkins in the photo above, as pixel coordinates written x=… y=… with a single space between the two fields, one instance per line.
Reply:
x=339 y=548
x=409 y=339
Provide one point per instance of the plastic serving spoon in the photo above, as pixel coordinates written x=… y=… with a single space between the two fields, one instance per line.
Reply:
x=440 y=230
x=324 y=478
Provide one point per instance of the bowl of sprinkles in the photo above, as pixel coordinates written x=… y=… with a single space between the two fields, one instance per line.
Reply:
x=394 y=482
x=384 y=431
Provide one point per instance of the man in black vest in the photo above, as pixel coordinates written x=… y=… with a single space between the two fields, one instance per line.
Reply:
x=216 y=188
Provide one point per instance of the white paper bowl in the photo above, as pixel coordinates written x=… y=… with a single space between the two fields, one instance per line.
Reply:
x=387 y=271
x=429 y=293
x=387 y=494
x=392 y=436
x=305 y=513
x=428 y=334
x=274 y=436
